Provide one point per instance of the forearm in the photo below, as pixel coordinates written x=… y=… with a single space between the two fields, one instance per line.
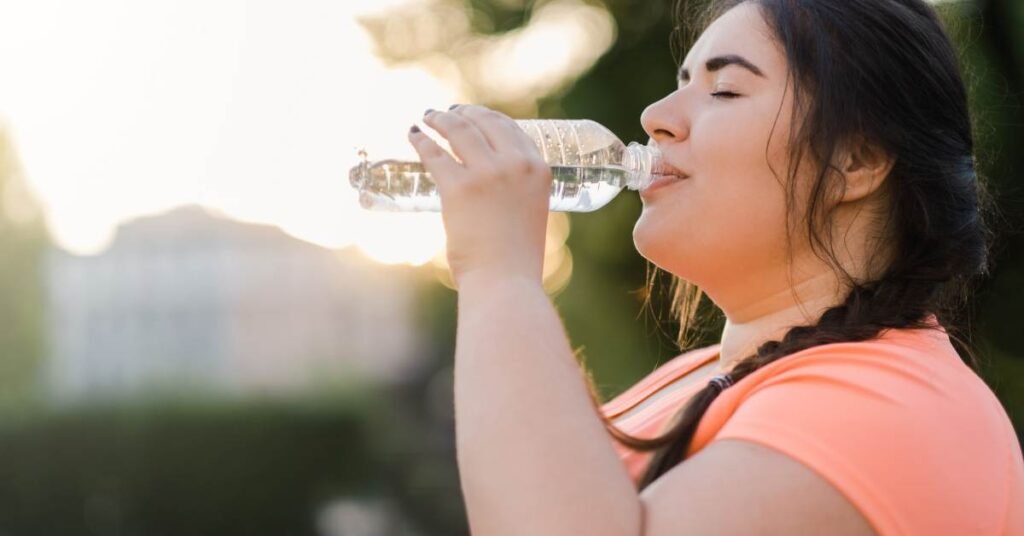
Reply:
x=534 y=457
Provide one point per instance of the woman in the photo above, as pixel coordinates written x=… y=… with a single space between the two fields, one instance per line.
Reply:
x=827 y=203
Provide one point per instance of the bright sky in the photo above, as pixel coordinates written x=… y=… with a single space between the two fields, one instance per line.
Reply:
x=120 y=108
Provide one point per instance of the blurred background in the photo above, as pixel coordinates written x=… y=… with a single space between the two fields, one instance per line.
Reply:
x=203 y=333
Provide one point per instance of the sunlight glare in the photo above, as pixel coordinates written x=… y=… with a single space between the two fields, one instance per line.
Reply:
x=391 y=238
x=562 y=40
x=121 y=109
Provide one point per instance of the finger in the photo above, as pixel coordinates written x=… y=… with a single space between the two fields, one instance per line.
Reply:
x=465 y=139
x=442 y=167
x=500 y=130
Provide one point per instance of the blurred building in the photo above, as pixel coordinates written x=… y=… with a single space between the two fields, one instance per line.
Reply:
x=191 y=300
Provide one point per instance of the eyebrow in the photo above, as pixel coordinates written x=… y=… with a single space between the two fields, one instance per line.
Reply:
x=719 y=62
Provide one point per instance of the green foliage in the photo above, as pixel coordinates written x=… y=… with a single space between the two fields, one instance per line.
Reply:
x=992 y=56
x=495 y=17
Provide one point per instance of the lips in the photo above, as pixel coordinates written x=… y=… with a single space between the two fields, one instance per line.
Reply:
x=663 y=174
x=661 y=181
x=662 y=168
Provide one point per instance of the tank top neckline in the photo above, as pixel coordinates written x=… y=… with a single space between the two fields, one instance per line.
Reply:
x=661 y=377
x=678 y=367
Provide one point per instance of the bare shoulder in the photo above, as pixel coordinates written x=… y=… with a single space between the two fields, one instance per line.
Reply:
x=741 y=487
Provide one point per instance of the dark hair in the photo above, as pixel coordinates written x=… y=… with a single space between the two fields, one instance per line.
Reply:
x=884 y=71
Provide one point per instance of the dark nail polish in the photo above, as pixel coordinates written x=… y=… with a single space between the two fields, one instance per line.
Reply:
x=452 y=107
x=428 y=111
x=414 y=128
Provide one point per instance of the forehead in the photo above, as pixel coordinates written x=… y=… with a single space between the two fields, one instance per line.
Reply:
x=741 y=30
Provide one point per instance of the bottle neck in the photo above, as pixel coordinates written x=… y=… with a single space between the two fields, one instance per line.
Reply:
x=639 y=161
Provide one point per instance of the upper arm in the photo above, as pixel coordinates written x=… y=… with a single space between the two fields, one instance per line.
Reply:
x=741 y=487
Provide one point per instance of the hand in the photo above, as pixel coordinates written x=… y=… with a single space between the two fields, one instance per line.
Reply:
x=495 y=202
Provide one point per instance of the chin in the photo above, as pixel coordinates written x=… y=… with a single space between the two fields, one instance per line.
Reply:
x=653 y=245
x=666 y=247
x=653 y=232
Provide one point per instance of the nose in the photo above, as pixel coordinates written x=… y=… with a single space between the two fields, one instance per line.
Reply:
x=663 y=122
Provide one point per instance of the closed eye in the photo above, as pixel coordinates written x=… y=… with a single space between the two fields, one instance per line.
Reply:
x=724 y=95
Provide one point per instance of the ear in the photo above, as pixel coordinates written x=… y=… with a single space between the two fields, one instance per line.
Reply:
x=865 y=167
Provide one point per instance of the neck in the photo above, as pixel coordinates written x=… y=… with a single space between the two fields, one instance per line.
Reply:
x=764 y=309
x=770 y=317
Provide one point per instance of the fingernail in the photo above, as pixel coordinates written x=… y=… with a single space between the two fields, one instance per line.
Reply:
x=452 y=107
x=414 y=128
x=426 y=113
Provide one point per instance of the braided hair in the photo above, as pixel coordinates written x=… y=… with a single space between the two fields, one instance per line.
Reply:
x=885 y=70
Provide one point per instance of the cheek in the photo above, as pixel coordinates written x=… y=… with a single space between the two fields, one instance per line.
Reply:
x=729 y=217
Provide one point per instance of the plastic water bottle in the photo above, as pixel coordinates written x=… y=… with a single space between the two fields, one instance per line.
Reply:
x=589 y=167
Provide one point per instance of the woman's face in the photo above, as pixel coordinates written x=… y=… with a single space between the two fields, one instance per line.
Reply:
x=725 y=224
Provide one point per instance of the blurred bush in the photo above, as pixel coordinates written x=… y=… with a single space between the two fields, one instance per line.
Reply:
x=188 y=470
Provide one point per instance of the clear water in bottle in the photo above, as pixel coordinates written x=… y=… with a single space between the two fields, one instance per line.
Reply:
x=589 y=167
